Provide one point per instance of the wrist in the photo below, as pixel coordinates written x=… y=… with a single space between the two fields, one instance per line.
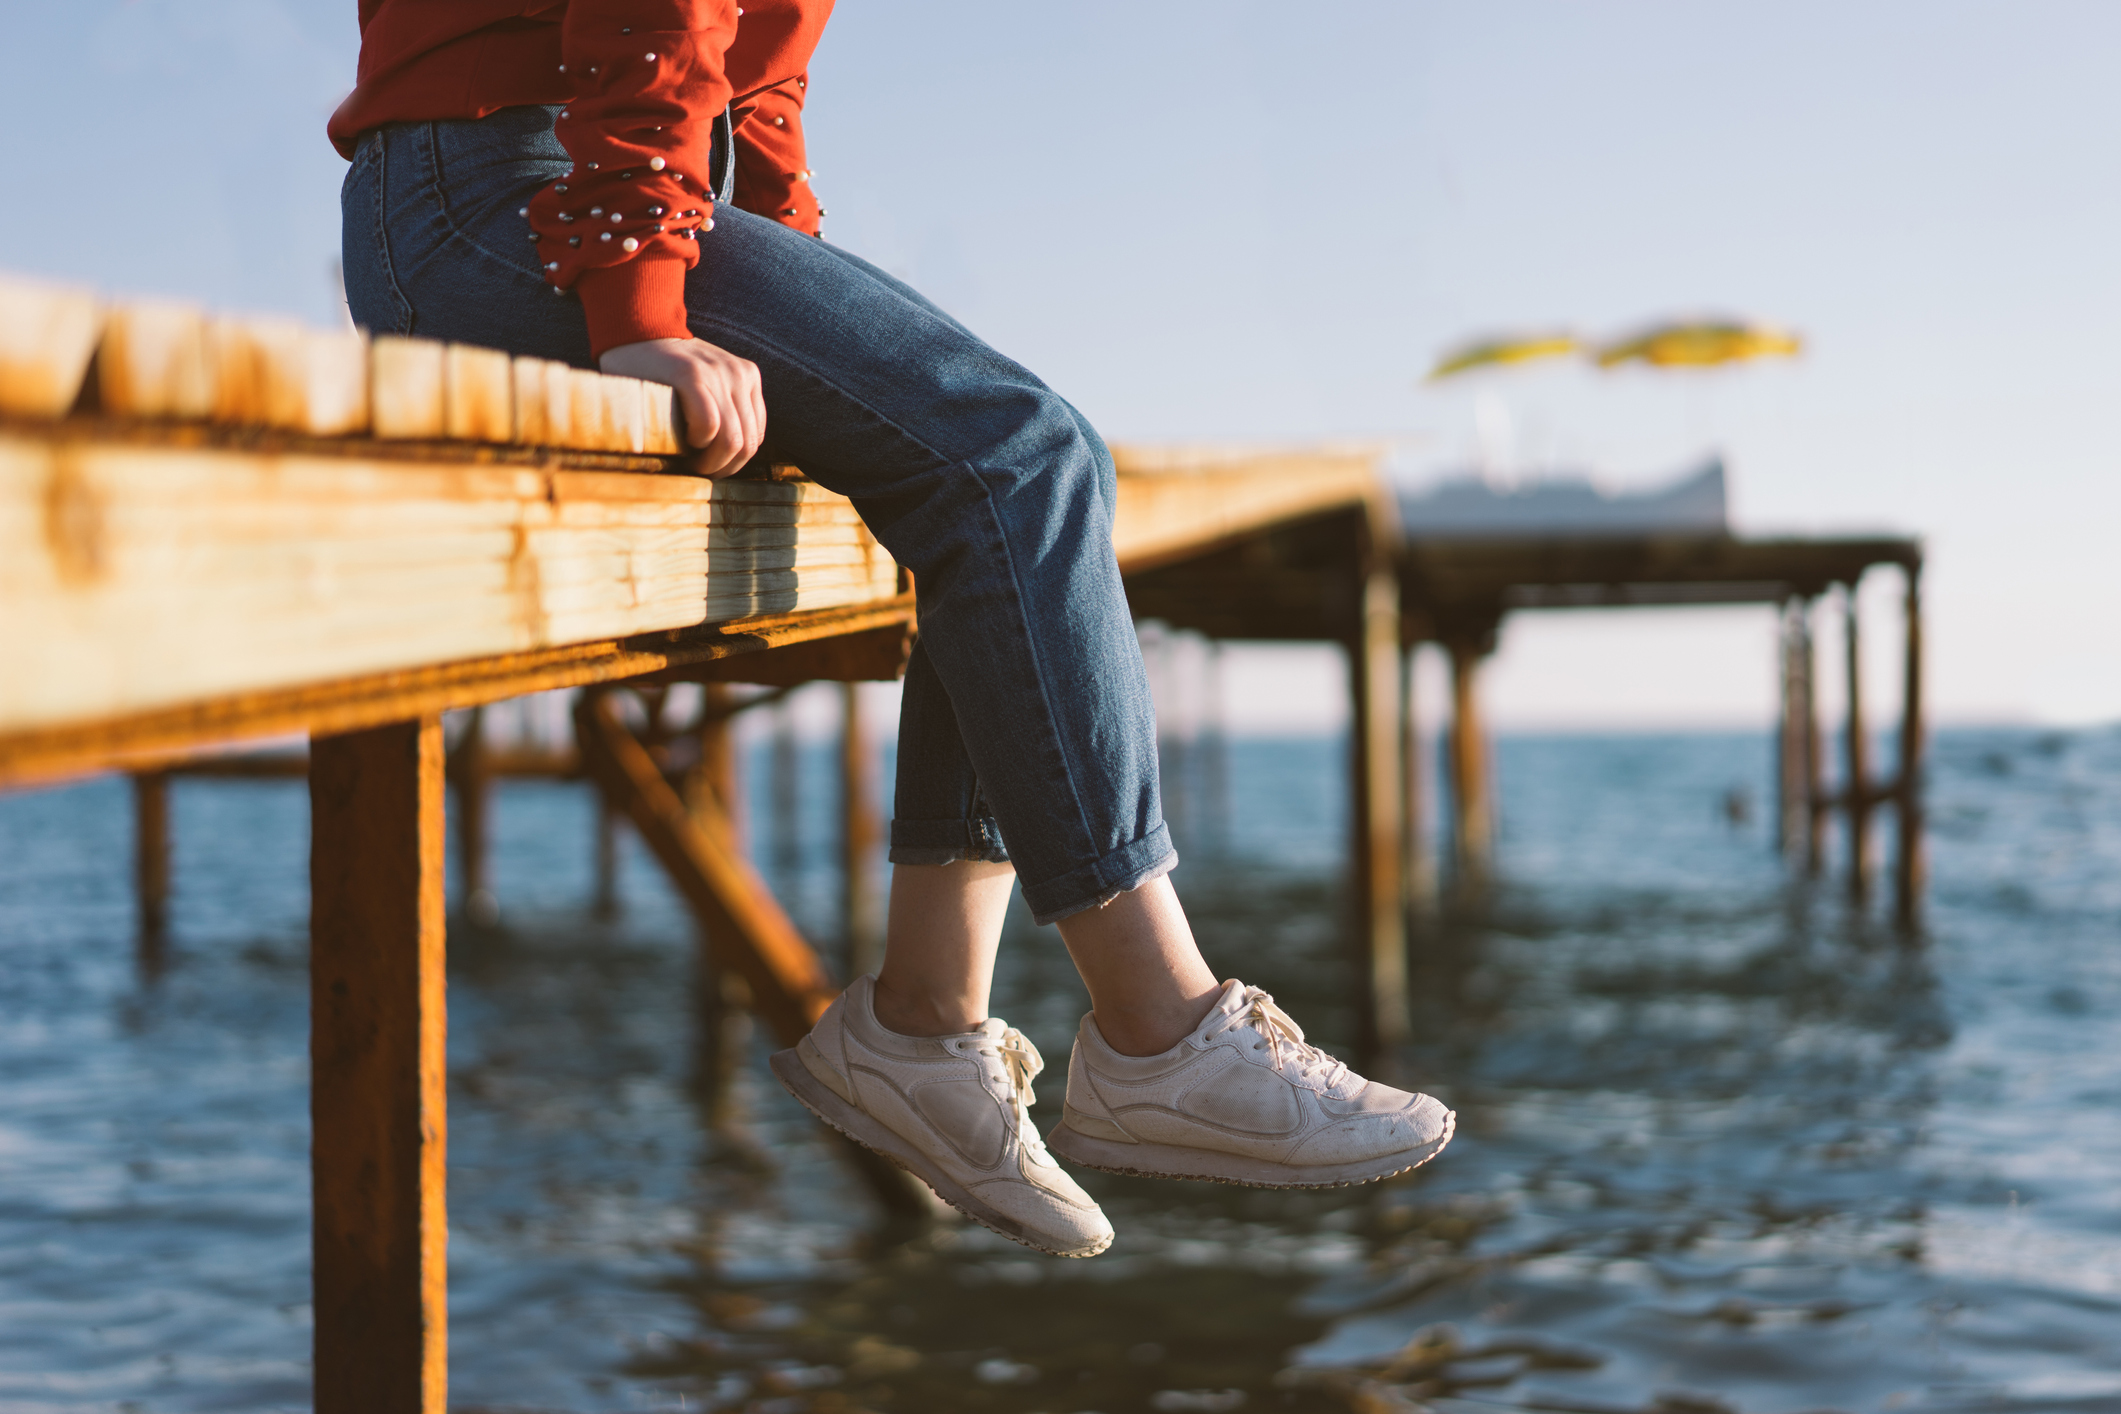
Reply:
x=636 y=302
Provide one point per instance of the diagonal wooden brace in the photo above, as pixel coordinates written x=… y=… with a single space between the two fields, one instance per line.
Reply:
x=746 y=928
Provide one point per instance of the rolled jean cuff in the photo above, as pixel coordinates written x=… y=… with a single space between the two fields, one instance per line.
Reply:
x=947 y=841
x=1096 y=884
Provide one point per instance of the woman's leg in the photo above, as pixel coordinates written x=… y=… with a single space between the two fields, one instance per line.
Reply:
x=945 y=927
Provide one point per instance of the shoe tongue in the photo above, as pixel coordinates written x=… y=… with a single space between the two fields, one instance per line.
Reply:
x=993 y=1027
x=1229 y=1004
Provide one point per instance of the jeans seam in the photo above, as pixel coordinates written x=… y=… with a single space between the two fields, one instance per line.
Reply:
x=380 y=147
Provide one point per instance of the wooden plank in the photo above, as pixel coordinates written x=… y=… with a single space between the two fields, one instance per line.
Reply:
x=378 y=1115
x=141 y=577
x=876 y=654
x=281 y=373
x=47 y=336
x=588 y=416
x=406 y=387
x=478 y=394
x=542 y=400
x=1199 y=507
x=660 y=421
x=153 y=361
x=145 y=739
x=625 y=414
x=768 y=537
x=746 y=928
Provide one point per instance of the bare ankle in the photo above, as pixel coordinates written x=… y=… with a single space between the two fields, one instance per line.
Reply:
x=921 y=1014
x=1150 y=1031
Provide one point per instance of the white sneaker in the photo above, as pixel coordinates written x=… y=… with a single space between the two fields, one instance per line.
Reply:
x=1243 y=1100
x=950 y=1111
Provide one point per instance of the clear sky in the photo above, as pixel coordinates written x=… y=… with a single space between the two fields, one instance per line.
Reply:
x=1239 y=221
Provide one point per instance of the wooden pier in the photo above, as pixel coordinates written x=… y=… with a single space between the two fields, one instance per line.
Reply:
x=215 y=532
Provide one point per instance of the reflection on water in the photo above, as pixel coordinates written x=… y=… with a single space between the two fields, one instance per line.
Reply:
x=1723 y=1145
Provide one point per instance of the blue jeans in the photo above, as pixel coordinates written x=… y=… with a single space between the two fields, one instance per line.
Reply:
x=1026 y=713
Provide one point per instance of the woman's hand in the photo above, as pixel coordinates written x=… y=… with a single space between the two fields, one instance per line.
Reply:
x=725 y=412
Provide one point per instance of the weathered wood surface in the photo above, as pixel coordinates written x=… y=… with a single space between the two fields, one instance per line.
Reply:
x=1472 y=790
x=1176 y=505
x=1856 y=787
x=378 y=1117
x=864 y=640
x=1558 y=572
x=214 y=528
x=63 y=348
x=137 y=578
x=1377 y=840
x=47 y=337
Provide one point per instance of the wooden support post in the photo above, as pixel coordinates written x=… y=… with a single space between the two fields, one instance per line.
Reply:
x=1793 y=804
x=1376 y=788
x=714 y=787
x=470 y=771
x=1856 y=790
x=861 y=909
x=378 y=1123
x=786 y=784
x=1214 y=755
x=1815 y=809
x=1414 y=811
x=151 y=869
x=1472 y=798
x=604 y=903
x=1909 y=867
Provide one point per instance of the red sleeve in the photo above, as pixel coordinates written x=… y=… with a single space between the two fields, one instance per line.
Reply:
x=621 y=228
x=772 y=178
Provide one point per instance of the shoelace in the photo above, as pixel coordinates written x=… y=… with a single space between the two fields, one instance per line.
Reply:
x=1285 y=1039
x=1022 y=1063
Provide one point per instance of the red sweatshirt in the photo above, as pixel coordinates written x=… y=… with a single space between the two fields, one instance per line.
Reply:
x=642 y=82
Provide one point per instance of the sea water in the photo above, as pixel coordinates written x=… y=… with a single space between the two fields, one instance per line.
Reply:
x=1726 y=1140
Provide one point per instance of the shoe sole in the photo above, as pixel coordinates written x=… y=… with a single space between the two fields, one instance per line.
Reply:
x=789 y=1069
x=1147 y=1160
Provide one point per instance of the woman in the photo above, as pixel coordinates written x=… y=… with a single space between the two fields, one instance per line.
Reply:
x=621 y=184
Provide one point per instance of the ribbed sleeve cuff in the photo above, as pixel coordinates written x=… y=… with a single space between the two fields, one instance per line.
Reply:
x=634 y=301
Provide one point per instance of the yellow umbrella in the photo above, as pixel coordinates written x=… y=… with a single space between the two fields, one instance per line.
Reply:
x=1486 y=353
x=1701 y=344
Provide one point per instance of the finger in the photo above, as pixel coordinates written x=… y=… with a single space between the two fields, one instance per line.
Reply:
x=702 y=422
x=751 y=407
x=726 y=454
